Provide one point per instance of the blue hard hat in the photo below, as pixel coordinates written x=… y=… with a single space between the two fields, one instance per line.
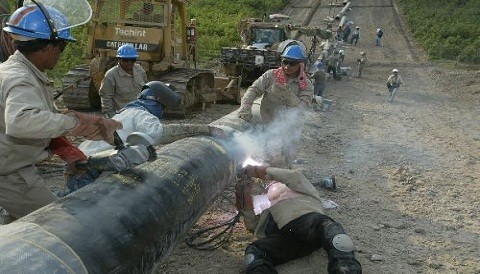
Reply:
x=293 y=52
x=127 y=51
x=31 y=22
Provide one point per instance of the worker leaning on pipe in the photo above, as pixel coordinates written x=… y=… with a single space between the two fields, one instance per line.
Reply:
x=31 y=127
x=142 y=115
x=289 y=221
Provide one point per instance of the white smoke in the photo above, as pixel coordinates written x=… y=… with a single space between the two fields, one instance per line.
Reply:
x=279 y=137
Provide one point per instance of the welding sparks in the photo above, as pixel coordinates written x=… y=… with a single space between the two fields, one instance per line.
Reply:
x=250 y=162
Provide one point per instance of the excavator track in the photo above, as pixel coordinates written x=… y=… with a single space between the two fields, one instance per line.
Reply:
x=196 y=87
x=78 y=91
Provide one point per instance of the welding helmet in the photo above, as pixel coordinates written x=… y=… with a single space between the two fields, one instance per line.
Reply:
x=293 y=52
x=48 y=19
x=127 y=51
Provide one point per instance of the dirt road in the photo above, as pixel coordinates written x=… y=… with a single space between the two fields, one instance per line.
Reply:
x=408 y=171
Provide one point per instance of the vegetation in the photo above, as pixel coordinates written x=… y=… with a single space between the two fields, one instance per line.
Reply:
x=215 y=29
x=217 y=21
x=447 y=29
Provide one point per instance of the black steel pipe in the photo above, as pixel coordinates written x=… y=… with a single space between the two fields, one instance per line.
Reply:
x=124 y=223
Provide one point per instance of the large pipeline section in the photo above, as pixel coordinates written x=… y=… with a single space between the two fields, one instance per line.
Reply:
x=125 y=223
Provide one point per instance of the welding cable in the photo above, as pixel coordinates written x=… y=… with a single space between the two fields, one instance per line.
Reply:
x=216 y=240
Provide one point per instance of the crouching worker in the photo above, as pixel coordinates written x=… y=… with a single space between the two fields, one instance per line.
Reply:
x=142 y=115
x=30 y=123
x=290 y=222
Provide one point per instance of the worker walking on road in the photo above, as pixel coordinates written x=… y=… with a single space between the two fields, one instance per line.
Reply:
x=289 y=221
x=31 y=127
x=361 y=61
x=394 y=80
x=123 y=82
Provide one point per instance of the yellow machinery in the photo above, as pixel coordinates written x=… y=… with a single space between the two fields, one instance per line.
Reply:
x=165 y=40
x=263 y=42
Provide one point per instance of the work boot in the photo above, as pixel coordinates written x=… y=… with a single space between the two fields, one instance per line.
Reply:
x=260 y=267
x=344 y=266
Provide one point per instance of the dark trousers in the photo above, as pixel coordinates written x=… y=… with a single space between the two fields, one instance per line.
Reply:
x=354 y=38
x=334 y=70
x=297 y=239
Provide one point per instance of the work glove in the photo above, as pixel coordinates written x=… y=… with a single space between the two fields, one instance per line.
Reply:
x=71 y=155
x=95 y=128
x=243 y=194
x=65 y=150
x=245 y=112
x=250 y=171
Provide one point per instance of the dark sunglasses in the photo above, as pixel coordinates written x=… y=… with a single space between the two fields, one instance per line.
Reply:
x=129 y=60
x=291 y=63
x=61 y=43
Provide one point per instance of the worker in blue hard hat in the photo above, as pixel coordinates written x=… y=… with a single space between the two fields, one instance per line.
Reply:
x=285 y=87
x=31 y=127
x=285 y=91
x=123 y=82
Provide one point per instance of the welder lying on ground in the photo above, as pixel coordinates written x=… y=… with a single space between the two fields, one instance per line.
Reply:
x=290 y=222
x=142 y=115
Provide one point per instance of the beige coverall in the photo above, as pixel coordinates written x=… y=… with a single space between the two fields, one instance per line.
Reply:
x=119 y=88
x=28 y=121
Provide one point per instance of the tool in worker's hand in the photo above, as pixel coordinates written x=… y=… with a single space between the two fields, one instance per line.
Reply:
x=138 y=150
x=119 y=145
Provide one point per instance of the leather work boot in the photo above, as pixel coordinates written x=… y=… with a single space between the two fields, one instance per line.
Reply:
x=345 y=266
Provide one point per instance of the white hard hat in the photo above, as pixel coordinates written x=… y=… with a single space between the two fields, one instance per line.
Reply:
x=341 y=51
x=395 y=70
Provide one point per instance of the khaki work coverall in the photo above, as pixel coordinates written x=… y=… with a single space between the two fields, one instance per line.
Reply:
x=289 y=209
x=28 y=121
x=276 y=97
x=119 y=88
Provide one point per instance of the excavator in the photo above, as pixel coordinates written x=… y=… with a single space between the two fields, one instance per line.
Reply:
x=263 y=40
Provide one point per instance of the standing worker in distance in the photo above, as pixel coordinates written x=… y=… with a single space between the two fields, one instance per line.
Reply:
x=123 y=82
x=319 y=78
x=361 y=63
x=355 y=36
x=378 y=37
x=31 y=127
